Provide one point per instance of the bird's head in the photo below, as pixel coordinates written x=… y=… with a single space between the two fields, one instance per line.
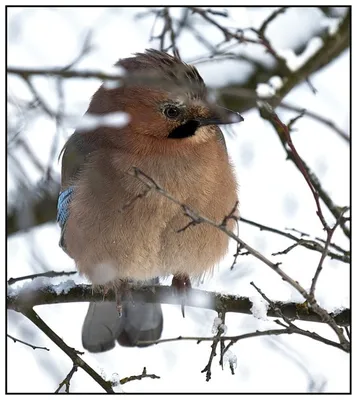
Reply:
x=165 y=98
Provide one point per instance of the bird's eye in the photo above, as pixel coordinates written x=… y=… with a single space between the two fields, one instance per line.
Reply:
x=172 y=112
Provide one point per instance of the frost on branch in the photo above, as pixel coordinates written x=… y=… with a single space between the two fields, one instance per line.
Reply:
x=231 y=359
x=266 y=90
x=115 y=380
x=295 y=62
x=332 y=24
x=219 y=326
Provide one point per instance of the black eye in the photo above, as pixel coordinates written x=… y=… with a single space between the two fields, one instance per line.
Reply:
x=172 y=112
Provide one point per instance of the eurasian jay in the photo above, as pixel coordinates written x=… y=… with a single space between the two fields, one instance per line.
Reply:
x=173 y=137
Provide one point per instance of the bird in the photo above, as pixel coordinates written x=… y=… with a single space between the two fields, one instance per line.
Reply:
x=118 y=232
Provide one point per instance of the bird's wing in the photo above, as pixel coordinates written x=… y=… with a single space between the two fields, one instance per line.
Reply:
x=74 y=154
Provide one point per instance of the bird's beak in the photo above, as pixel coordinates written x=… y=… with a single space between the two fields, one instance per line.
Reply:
x=220 y=116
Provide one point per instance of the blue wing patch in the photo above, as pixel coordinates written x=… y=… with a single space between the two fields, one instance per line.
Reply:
x=64 y=199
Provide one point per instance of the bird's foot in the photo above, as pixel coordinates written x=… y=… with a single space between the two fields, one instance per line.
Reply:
x=182 y=285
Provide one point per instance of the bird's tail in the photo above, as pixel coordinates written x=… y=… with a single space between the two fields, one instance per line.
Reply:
x=103 y=326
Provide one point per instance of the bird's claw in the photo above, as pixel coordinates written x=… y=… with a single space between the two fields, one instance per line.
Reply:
x=182 y=284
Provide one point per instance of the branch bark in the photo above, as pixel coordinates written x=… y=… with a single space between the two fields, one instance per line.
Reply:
x=47 y=294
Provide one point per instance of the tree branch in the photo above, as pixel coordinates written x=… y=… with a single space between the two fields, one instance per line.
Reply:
x=314 y=184
x=235 y=339
x=71 y=353
x=309 y=244
x=318 y=118
x=67 y=380
x=49 y=294
x=332 y=47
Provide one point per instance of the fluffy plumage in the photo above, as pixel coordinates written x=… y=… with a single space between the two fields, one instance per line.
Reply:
x=172 y=136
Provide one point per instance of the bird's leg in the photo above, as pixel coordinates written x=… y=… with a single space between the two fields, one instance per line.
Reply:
x=119 y=291
x=106 y=290
x=182 y=284
x=122 y=291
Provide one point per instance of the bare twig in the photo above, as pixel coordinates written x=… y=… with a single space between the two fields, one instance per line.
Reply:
x=168 y=27
x=37 y=97
x=217 y=12
x=288 y=249
x=235 y=339
x=269 y=114
x=67 y=380
x=270 y=19
x=48 y=274
x=289 y=323
x=27 y=344
x=223 y=317
x=25 y=73
x=236 y=254
x=309 y=244
x=215 y=341
x=239 y=36
x=72 y=353
x=87 y=47
x=138 y=377
x=318 y=118
x=329 y=233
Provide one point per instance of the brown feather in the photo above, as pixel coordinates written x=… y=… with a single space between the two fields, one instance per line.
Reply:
x=141 y=241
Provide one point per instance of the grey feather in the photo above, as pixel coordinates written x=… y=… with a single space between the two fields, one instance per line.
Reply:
x=103 y=326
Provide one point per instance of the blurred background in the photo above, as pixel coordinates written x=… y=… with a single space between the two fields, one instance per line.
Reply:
x=241 y=53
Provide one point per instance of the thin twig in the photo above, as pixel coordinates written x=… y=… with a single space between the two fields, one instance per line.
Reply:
x=269 y=114
x=123 y=381
x=329 y=233
x=215 y=341
x=270 y=19
x=309 y=244
x=64 y=73
x=318 y=118
x=48 y=274
x=235 y=255
x=27 y=344
x=170 y=30
x=67 y=380
x=38 y=98
x=235 y=339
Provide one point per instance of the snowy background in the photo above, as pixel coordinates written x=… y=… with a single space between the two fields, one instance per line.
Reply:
x=272 y=192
